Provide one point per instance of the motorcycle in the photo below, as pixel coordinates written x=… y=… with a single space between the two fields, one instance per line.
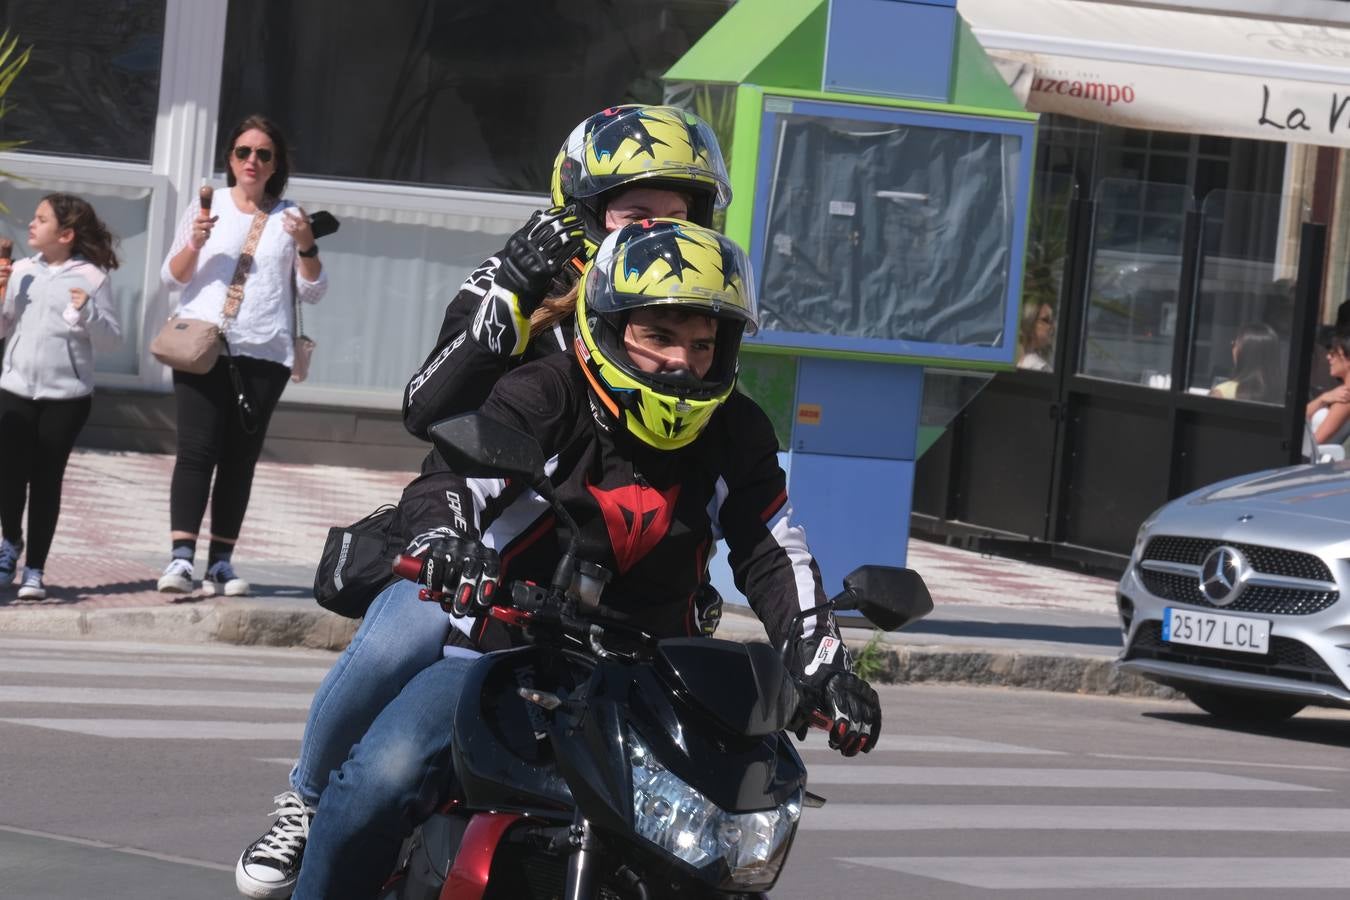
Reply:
x=600 y=763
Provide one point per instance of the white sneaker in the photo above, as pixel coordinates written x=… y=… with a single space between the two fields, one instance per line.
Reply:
x=177 y=577
x=221 y=579
x=268 y=867
x=32 y=588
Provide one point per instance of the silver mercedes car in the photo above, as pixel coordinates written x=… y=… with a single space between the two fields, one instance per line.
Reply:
x=1233 y=594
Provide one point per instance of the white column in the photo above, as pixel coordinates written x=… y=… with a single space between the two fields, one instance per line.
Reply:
x=185 y=134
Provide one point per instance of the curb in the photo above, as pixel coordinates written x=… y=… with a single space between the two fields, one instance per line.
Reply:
x=197 y=624
x=315 y=629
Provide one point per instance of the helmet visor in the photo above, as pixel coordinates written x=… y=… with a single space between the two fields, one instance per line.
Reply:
x=665 y=262
x=641 y=143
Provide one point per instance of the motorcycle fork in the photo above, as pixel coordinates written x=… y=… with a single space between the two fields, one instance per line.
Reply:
x=582 y=862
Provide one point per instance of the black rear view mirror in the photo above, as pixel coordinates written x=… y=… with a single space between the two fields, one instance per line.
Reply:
x=479 y=447
x=888 y=597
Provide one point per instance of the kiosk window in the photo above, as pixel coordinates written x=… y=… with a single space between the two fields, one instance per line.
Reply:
x=885 y=230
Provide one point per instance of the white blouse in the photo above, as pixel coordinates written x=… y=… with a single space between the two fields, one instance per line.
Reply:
x=265 y=326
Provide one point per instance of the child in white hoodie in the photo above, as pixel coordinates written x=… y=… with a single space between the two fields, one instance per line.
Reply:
x=57 y=308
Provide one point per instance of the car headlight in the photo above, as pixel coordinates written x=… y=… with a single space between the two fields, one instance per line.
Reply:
x=687 y=825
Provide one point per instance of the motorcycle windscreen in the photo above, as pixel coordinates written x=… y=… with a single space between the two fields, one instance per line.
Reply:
x=742 y=687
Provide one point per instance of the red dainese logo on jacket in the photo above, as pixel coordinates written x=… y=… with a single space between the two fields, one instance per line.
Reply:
x=637 y=517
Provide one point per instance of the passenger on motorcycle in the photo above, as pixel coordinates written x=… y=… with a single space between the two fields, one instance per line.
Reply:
x=618 y=166
x=655 y=456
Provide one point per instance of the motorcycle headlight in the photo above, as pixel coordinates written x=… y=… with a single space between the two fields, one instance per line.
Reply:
x=687 y=825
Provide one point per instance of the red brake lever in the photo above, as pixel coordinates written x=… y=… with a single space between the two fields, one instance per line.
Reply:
x=510 y=616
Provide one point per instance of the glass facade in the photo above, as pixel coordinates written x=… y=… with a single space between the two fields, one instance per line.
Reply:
x=473 y=94
x=1145 y=184
x=91 y=86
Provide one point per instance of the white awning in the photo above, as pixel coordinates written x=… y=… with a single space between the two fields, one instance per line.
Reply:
x=1172 y=70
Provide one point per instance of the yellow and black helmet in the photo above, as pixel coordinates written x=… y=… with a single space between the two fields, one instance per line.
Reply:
x=659 y=146
x=663 y=263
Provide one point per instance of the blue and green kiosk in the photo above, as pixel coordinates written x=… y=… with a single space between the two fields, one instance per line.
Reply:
x=881 y=172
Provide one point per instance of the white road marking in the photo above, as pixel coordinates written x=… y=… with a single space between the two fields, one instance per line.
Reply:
x=913 y=743
x=935 y=817
x=104 y=845
x=1197 y=761
x=975 y=776
x=166 y=729
x=1278 y=874
x=50 y=696
x=98 y=669
x=64 y=648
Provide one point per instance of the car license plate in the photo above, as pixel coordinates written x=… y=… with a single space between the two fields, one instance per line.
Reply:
x=1201 y=629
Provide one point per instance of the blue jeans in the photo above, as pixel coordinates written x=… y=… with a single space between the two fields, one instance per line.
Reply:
x=399 y=637
x=392 y=782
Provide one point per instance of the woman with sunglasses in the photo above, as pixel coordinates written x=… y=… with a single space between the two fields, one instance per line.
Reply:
x=223 y=414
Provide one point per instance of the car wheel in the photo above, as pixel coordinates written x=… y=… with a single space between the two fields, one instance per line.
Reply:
x=1251 y=709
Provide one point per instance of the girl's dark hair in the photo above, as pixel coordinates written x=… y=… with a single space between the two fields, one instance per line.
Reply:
x=1257 y=366
x=93 y=241
x=282 y=159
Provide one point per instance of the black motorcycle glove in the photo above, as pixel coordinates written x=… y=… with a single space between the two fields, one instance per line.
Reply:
x=527 y=267
x=831 y=688
x=536 y=253
x=708 y=609
x=458 y=573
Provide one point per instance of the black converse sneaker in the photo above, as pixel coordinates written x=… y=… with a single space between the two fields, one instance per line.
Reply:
x=267 y=869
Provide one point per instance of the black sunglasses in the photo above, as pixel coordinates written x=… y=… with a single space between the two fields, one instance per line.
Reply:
x=242 y=153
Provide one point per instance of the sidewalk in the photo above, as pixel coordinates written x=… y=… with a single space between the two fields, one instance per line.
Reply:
x=996 y=621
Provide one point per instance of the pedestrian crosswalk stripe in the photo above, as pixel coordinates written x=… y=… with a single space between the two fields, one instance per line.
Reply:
x=96 y=668
x=975 y=776
x=64 y=648
x=167 y=729
x=1023 y=817
x=104 y=845
x=1107 y=872
x=49 y=696
x=1194 y=761
x=915 y=743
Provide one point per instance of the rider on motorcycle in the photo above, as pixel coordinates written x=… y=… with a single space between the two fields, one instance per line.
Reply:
x=655 y=456
x=620 y=165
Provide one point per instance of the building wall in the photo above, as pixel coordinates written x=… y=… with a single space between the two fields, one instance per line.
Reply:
x=417 y=127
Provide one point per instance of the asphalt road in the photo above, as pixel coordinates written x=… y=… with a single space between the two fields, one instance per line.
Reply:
x=142 y=770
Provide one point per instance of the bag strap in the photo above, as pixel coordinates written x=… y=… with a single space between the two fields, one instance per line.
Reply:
x=234 y=294
x=295 y=301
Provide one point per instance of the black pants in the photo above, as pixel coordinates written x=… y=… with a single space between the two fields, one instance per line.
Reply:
x=211 y=437
x=36 y=437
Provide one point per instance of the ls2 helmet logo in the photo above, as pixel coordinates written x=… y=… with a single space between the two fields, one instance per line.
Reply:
x=1223 y=575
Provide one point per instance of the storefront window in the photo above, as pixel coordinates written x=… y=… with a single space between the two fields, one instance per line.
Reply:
x=91 y=86
x=1043 y=280
x=1135 y=282
x=1245 y=306
x=463 y=93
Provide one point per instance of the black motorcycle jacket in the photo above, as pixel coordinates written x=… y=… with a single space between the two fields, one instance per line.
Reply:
x=648 y=516
x=459 y=373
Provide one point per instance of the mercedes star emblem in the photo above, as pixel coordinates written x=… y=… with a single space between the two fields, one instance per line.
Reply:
x=1223 y=575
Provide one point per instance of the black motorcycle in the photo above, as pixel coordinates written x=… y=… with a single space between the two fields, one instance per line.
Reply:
x=600 y=763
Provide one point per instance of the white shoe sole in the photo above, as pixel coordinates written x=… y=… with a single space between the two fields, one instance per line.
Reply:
x=249 y=886
x=172 y=584
x=237 y=588
x=32 y=593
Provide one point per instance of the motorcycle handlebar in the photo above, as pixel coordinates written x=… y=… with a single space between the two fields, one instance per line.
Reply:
x=410 y=567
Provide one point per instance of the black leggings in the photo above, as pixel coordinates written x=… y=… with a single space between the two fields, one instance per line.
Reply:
x=211 y=437
x=36 y=437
